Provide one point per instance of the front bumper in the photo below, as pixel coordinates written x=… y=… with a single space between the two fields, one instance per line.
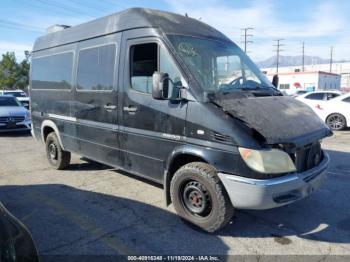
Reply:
x=247 y=193
x=20 y=126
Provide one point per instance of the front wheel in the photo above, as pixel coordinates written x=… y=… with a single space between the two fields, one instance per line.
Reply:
x=200 y=198
x=336 y=121
x=58 y=158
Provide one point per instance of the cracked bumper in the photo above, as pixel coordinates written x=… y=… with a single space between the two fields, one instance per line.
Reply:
x=246 y=193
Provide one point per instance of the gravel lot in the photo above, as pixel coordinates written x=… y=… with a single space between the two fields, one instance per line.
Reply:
x=94 y=209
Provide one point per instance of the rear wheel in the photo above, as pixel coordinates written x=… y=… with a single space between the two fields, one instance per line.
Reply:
x=336 y=121
x=200 y=198
x=58 y=158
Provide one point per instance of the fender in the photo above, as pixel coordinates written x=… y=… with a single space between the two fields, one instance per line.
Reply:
x=50 y=123
x=192 y=150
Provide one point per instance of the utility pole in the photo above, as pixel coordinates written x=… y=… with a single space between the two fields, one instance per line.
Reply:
x=246 y=35
x=303 y=57
x=331 y=60
x=278 y=51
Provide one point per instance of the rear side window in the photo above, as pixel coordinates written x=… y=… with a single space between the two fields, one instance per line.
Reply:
x=315 y=96
x=96 y=68
x=331 y=95
x=347 y=99
x=52 y=72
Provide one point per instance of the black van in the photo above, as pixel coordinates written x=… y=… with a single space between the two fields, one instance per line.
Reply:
x=169 y=98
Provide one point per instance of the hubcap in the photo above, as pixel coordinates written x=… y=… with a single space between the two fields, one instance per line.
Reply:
x=335 y=122
x=196 y=198
x=53 y=151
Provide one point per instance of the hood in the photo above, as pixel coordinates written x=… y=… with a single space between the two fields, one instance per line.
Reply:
x=279 y=119
x=12 y=111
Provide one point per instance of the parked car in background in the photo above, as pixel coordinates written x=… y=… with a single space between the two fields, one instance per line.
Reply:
x=13 y=116
x=318 y=97
x=16 y=243
x=19 y=94
x=336 y=112
x=300 y=92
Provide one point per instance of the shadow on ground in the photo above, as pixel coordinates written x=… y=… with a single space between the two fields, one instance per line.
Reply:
x=67 y=220
x=15 y=134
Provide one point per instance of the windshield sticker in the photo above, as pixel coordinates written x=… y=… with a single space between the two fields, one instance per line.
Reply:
x=187 y=49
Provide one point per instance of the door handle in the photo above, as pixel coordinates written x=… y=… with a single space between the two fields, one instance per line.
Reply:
x=109 y=107
x=130 y=109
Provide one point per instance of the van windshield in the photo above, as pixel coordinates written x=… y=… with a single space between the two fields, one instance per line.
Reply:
x=219 y=66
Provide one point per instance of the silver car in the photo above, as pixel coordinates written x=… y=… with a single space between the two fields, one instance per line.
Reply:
x=13 y=116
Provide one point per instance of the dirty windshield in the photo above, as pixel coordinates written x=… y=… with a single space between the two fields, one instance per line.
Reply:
x=219 y=66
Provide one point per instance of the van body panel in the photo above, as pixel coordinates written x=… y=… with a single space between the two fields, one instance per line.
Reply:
x=54 y=104
x=153 y=123
x=96 y=125
x=121 y=21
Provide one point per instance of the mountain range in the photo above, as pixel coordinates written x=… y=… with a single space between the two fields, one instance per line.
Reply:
x=293 y=61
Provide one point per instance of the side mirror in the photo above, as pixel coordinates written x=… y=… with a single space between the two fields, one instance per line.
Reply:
x=275 y=81
x=160 y=85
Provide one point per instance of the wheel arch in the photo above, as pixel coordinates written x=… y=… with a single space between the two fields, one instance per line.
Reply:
x=177 y=158
x=47 y=127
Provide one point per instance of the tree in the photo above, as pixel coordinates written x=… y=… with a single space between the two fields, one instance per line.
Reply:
x=23 y=73
x=8 y=70
x=14 y=75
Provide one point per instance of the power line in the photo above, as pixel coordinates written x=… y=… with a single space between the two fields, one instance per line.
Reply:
x=87 y=6
x=278 y=51
x=246 y=35
x=15 y=25
x=63 y=7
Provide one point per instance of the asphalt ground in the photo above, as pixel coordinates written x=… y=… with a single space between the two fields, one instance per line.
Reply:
x=92 y=209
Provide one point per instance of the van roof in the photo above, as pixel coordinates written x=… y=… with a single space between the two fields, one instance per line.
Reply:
x=168 y=23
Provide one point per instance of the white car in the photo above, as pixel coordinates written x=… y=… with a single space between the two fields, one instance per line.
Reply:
x=318 y=97
x=336 y=112
x=19 y=94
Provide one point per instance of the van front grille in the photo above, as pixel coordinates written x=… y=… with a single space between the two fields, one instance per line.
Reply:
x=308 y=157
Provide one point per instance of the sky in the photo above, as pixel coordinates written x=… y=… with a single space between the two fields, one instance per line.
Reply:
x=319 y=23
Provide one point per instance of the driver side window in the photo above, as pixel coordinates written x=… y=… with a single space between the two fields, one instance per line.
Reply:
x=147 y=58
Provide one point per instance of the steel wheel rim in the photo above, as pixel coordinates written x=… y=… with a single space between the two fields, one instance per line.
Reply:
x=53 y=151
x=196 y=198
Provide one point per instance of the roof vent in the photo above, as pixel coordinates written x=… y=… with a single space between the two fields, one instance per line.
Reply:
x=56 y=28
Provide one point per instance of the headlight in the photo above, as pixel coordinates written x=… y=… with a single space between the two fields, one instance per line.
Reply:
x=28 y=116
x=271 y=161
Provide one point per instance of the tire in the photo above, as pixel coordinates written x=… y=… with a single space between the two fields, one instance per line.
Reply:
x=200 y=198
x=336 y=121
x=57 y=157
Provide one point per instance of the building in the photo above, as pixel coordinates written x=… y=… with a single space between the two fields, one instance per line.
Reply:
x=290 y=82
x=341 y=68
